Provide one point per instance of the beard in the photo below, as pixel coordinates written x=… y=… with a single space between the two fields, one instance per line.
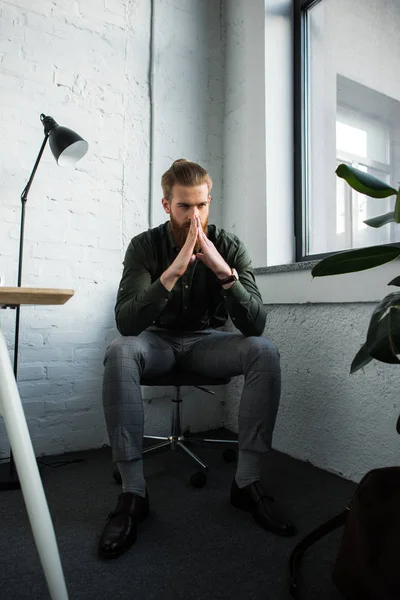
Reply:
x=180 y=232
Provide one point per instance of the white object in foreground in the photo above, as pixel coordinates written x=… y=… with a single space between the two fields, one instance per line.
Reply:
x=28 y=473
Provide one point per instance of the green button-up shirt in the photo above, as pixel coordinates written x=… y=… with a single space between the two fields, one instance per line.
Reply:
x=197 y=301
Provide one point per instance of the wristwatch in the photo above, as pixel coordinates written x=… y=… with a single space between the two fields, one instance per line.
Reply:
x=231 y=278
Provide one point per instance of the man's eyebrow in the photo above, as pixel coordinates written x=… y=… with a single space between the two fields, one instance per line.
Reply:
x=185 y=202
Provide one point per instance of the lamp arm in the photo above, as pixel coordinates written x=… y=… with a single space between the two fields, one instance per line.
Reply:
x=24 y=195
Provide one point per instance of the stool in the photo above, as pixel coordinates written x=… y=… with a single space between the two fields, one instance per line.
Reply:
x=178 y=438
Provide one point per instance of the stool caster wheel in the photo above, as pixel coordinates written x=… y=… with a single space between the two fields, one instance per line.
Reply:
x=229 y=455
x=117 y=476
x=198 y=480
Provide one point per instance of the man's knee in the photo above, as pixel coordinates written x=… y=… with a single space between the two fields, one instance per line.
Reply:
x=125 y=347
x=261 y=348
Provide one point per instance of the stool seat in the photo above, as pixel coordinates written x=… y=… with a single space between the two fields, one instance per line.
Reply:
x=178 y=378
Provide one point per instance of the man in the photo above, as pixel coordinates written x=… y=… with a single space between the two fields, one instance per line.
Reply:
x=180 y=282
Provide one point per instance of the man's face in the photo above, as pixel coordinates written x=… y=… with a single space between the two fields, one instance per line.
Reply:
x=186 y=202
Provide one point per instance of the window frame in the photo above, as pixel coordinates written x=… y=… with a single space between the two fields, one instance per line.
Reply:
x=300 y=128
x=300 y=124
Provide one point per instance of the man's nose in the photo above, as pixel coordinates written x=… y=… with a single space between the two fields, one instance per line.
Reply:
x=194 y=211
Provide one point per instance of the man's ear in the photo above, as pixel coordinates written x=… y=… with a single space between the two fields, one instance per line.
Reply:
x=166 y=206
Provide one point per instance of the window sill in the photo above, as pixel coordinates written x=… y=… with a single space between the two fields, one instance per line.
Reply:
x=299 y=266
x=293 y=284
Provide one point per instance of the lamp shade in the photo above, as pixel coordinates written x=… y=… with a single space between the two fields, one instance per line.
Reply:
x=67 y=146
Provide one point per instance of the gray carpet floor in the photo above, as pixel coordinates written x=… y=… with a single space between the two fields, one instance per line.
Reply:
x=194 y=546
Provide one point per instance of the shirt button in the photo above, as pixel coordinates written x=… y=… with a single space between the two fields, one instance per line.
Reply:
x=186 y=287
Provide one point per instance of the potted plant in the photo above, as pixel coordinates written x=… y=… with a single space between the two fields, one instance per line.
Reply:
x=383 y=335
x=366 y=534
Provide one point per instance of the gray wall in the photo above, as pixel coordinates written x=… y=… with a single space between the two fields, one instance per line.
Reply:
x=188 y=92
x=244 y=199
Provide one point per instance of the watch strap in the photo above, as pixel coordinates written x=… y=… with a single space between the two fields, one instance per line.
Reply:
x=229 y=279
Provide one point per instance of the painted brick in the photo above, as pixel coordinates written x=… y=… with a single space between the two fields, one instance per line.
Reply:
x=34 y=410
x=43 y=389
x=83 y=355
x=47 y=355
x=26 y=373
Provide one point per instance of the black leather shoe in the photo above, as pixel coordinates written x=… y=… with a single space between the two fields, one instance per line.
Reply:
x=120 y=531
x=255 y=500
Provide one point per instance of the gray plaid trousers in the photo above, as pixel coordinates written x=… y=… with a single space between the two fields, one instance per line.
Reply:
x=210 y=352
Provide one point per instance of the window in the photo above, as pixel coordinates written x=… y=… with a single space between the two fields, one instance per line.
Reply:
x=347 y=110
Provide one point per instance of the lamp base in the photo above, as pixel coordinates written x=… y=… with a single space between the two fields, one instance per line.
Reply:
x=8 y=481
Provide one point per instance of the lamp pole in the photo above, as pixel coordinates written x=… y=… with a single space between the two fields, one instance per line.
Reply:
x=24 y=198
x=63 y=142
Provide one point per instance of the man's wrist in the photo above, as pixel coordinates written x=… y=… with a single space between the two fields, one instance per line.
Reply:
x=224 y=273
x=168 y=280
x=227 y=286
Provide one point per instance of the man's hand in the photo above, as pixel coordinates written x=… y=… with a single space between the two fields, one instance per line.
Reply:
x=210 y=256
x=184 y=258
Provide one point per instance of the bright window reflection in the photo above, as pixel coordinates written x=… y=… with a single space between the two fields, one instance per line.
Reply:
x=351 y=139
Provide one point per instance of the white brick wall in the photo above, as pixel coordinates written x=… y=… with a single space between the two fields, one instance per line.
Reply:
x=86 y=64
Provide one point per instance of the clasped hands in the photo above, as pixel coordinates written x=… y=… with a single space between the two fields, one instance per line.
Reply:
x=209 y=255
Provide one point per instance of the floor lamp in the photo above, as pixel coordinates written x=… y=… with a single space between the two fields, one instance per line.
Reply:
x=67 y=148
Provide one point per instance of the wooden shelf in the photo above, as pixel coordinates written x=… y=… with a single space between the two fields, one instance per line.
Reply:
x=13 y=296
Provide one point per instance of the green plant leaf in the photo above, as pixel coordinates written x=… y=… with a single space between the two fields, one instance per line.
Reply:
x=355 y=260
x=361 y=359
x=397 y=208
x=364 y=182
x=395 y=281
x=380 y=220
x=383 y=336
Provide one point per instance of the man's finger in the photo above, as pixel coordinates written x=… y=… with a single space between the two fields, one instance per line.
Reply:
x=204 y=239
x=192 y=228
x=204 y=234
